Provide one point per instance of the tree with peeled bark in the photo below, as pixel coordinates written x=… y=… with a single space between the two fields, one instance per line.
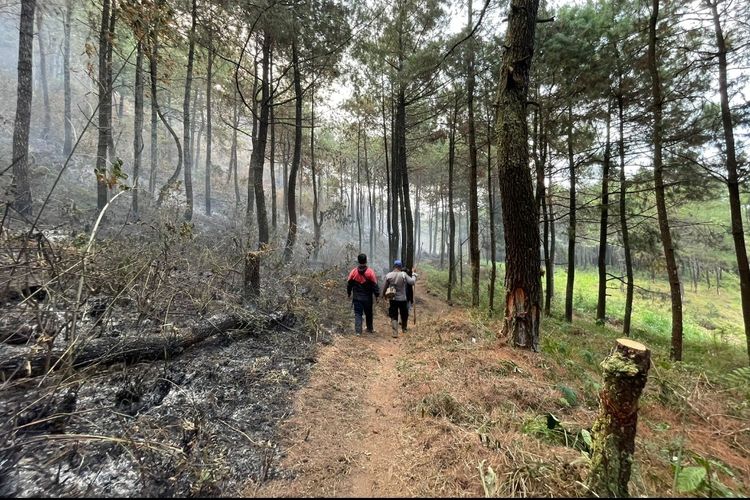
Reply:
x=22 y=202
x=520 y=216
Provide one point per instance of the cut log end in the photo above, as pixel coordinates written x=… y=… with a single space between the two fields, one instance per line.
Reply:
x=631 y=345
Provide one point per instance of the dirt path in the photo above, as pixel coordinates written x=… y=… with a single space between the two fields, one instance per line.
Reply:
x=348 y=435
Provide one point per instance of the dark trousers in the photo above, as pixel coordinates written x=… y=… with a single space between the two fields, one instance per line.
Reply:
x=402 y=307
x=362 y=306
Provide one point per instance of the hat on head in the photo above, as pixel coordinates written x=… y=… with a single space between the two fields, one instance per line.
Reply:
x=397 y=263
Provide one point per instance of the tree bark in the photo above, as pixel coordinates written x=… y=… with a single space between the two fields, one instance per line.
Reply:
x=624 y=223
x=272 y=155
x=473 y=171
x=292 y=233
x=154 y=147
x=258 y=158
x=67 y=116
x=601 y=303
x=22 y=202
x=520 y=217
x=733 y=184
x=661 y=205
x=187 y=150
x=43 y=72
x=613 y=434
x=571 y=223
x=491 y=204
x=451 y=214
x=209 y=124
x=317 y=214
x=138 y=126
x=105 y=102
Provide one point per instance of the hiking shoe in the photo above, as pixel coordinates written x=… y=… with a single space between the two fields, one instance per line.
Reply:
x=371 y=332
x=357 y=333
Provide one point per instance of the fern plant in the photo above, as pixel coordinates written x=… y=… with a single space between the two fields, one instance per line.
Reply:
x=739 y=377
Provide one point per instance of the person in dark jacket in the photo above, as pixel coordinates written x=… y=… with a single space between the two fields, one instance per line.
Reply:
x=362 y=287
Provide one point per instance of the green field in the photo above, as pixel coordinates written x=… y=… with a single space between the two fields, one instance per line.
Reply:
x=713 y=336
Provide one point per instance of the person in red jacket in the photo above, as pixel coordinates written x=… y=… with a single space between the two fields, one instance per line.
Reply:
x=362 y=287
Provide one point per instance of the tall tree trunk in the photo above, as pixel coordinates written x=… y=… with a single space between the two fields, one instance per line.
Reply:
x=735 y=205
x=138 y=126
x=259 y=152
x=292 y=233
x=451 y=214
x=155 y=103
x=286 y=154
x=43 y=72
x=153 y=39
x=22 y=202
x=491 y=202
x=520 y=217
x=473 y=172
x=272 y=156
x=209 y=124
x=233 y=151
x=601 y=303
x=661 y=205
x=111 y=153
x=408 y=220
x=371 y=196
x=186 y=117
x=571 y=223
x=105 y=103
x=317 y=215
x=67 y=116
x=550 y=289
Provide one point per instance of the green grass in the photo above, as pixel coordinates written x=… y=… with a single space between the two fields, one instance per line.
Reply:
x=713 y=337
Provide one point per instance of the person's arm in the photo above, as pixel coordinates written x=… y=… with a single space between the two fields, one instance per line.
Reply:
x=375 y=289
x=349 y=287
x=410 y=280
x=385 y=286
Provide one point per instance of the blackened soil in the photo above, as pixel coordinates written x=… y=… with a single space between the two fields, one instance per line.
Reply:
x=199 y=425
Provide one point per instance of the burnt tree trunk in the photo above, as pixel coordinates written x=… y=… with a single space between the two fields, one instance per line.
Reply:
x=520 y=217
x=625 y=373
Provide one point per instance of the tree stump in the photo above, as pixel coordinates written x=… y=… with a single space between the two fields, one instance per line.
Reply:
x=613 y=434
x=251 y=282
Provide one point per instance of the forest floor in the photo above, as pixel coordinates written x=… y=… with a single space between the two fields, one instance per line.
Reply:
x=450 y=410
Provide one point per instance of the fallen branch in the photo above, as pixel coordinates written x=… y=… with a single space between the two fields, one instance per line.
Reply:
x=132 y=349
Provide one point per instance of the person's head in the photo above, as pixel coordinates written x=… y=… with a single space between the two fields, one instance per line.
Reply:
x=362 y=259
x=397 y=264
